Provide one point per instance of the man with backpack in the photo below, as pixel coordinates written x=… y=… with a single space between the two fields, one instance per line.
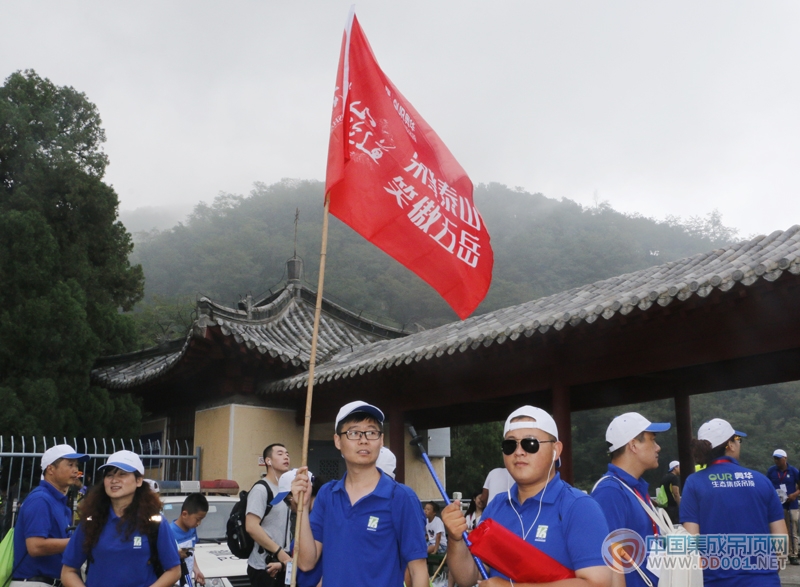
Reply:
x=268 y=525
x=41 y=533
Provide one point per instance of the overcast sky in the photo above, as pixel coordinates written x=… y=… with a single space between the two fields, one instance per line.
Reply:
x=658 y=107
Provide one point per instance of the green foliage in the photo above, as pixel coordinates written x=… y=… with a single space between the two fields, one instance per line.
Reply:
x=63 y=264
x=542 y=246
x=475 y=451
x=163 y=319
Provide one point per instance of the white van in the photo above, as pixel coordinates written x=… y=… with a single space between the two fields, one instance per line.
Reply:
x=219 y=566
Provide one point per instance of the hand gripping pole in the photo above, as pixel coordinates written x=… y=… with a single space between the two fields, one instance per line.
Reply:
x=416 y=440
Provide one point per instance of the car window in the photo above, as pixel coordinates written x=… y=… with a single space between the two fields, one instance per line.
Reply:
x=214 y=524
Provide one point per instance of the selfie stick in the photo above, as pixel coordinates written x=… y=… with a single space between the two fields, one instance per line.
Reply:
x=416 y=440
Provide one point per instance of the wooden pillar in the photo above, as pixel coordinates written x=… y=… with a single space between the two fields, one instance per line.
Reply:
x=397 y=441
x=563 y=418
x=683 y=418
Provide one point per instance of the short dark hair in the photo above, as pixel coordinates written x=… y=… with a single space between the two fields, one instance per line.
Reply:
x=268 y=451
x=194 y=503
x=618 y=453
x=355 y=418
x=434 y=505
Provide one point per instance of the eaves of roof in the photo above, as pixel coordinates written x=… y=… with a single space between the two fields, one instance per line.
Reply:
x=281 y=329
x=764 y=257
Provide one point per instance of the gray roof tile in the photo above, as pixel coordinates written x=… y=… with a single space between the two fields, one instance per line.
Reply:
x=764 y=257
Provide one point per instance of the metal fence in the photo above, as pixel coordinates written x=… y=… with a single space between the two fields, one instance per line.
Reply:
x=20 y=462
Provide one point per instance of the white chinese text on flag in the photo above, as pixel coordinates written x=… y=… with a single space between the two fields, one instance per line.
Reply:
x=393 y=181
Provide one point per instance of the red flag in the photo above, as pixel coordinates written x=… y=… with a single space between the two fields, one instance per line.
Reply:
x=392 y=180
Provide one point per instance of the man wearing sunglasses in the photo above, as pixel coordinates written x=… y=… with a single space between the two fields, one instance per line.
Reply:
x=632 y=444
x=543 y=510
x=371 y=527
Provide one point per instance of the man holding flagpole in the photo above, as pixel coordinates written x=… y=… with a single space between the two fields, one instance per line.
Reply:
x=392 y=180
x=370 y=526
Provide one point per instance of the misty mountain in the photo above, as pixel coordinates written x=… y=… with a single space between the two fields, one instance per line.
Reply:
x=542 y=246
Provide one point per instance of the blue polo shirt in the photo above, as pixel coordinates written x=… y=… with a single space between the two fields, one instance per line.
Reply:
x=790 y=478
x=119 y=561
x=43 y=514
x=726 y=498
x=371 y=542
x=570 y=528
x=623 y=510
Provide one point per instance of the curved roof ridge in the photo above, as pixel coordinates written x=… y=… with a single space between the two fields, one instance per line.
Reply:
x=745 y=262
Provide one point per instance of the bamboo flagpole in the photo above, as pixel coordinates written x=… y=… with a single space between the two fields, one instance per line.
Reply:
x=310 y=390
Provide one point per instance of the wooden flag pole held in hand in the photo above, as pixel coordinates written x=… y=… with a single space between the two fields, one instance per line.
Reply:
x=310 y=393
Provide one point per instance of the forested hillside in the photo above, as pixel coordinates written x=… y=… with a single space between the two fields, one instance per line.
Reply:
x=240 y=244
x=542 y=246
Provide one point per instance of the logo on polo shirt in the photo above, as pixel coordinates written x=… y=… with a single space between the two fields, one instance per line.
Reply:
x=541 y=533
x=372 y=525
x=137 y=541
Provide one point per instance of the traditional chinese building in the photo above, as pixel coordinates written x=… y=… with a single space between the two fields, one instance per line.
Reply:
x=725 y=319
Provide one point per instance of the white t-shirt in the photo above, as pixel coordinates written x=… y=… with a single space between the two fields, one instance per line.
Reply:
x=433 y=528
x=276 y=524
x=497 y=481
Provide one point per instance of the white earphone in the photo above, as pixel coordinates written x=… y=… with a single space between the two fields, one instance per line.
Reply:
x=555 y=456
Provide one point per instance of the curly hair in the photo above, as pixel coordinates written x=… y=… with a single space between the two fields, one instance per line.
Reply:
x=704 y=454
x=95 y=508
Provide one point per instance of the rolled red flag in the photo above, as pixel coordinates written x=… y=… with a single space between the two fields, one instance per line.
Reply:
x=506 y=552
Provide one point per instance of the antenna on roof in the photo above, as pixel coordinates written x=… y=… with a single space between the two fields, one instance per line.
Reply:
x=296 y=220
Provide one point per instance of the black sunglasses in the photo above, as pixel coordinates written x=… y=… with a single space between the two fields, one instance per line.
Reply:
x=529 y=445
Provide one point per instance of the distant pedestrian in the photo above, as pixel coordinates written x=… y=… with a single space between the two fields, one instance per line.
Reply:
x=786 y=481
x=193 y=511
x=434 y=530
x=120 y=525
x=475 y=511
x=497 y=481
x=725 y=498
x=671 y=482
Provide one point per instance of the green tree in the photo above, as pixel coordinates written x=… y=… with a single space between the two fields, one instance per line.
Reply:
x=63 y=265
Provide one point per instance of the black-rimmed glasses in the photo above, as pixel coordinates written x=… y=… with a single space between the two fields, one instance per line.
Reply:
x=529 y=445
x=357 y=434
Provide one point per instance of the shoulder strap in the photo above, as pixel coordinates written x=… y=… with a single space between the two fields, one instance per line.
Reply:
x=659 y=516
x=600 y=481
x=270 y=496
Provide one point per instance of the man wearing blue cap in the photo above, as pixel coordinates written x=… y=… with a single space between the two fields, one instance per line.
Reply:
x=632 y=444
x=40 y=535
x=370 y=526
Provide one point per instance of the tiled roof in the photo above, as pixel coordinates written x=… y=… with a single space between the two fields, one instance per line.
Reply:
x=131 y=369
x=764 y=257
x=280 y=327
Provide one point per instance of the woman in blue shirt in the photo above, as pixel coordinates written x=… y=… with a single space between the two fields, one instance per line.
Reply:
x=118 y=520
x=736 y=509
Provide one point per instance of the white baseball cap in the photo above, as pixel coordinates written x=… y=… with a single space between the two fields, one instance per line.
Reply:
x=543 y=421
x=61 y=451
x=717 y=432
x=125 y=460
x=673 y=464
x=387 y=462
x=779 y=453
x=358 y=406
x=285 y=485
x=628 y=426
